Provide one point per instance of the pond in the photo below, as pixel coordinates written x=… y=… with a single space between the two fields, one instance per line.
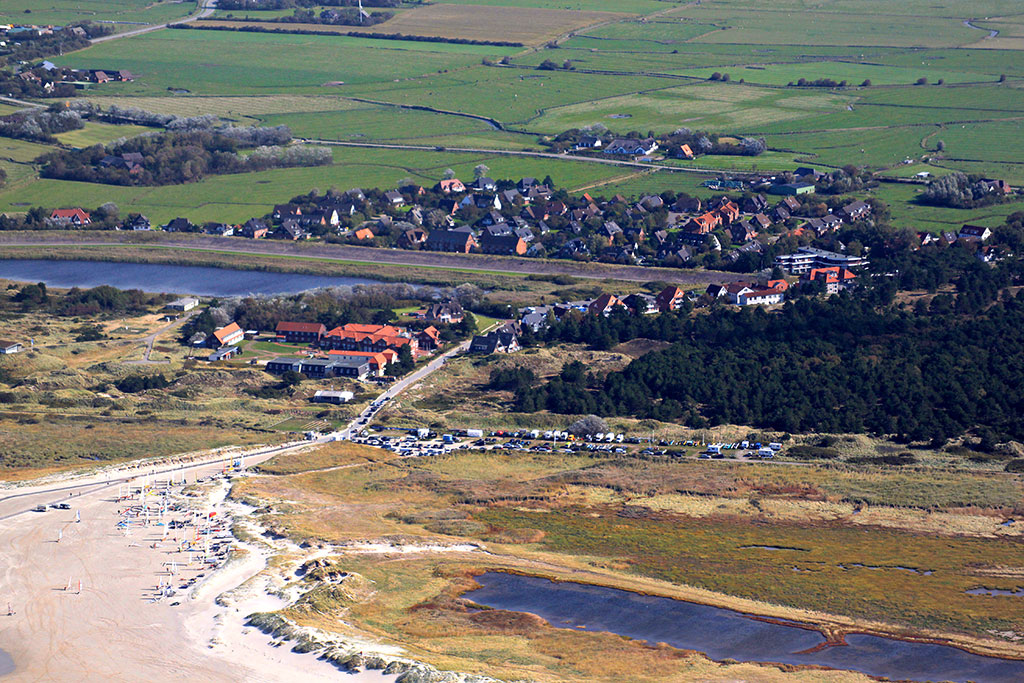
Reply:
x=155 y=277
x=725 y=634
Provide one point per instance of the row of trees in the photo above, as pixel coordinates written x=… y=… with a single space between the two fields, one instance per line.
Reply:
x=40 y=125
x=102 y=300
x=181 y=157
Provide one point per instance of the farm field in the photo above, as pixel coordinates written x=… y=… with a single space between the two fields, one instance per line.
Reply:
x=99 y=134
x=67 y=11
x=220 y=62
x=374 y=123
x=705 y=105
x=528 y=25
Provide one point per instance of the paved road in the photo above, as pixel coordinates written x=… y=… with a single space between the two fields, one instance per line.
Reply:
x=202 y=10
x=23 y=502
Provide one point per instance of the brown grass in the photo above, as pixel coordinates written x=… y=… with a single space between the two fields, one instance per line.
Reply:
x=527 y=25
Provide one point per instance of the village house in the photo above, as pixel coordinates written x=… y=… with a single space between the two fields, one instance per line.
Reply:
x=76 y=217
x=378 y=360
x=450 y=241
x=974 y=233
x=8 y=347
x=604 y=305
x=450 y=185
x=854 y=211
x=630 y=147
x=229 y=335
x=179 y=225
x=507 y=245
x=499 y=341
x=671 y=298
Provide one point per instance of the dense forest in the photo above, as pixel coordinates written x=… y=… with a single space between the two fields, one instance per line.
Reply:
x=852 y=363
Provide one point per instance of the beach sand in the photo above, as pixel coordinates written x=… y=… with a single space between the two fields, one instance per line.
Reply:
x=115 y=629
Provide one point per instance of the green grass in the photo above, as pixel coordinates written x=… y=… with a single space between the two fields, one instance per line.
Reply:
x=67 y=11
x=374 y=123
x=235 y=198
x=99 y=134
x=220 y=62
x=21 y=150
x=630 y=6
x=905 y=212
x=718 y=107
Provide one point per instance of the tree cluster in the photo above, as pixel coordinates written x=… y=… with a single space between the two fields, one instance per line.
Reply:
x=960 y=191
x=40 y=125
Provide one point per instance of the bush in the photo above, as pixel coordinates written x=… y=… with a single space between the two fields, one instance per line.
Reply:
x=813 y=453
x=1016 y=466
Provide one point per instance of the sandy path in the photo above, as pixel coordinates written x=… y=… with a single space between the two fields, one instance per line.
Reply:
x=113 y=630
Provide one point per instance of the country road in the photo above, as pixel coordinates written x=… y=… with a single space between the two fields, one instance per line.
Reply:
x=203 y=10
x=479 y=263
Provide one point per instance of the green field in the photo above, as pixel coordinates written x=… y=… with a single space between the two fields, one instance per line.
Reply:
x=67 y=11
x=221 y=63
x=99 y=134
x=235 y=198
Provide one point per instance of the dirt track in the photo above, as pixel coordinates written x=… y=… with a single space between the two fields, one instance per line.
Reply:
x=369 y=255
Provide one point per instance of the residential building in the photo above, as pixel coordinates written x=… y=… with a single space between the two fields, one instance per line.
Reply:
x=499 y=341
x=335 y=397
x=630 y=147
x=229 y=335
x=451 y=241
x=806 y=258
x=301 y=333
x=836 y=278
x=974 y=233
x=670 y=298
x=791 y=189
x=184 y=304
x=76 y=217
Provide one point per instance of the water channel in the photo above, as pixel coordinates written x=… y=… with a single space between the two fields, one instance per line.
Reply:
x=725 y=634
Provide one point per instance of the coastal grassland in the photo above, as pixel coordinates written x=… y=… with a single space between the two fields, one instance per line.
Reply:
x=30 y=445
x=914 y=579
x=792 y=541
x=874 y=148
x=66 y=11
x=720 y=107
x=528 y=25
x=997 y=141
x=235 y=198
x=220 y=62
x=94 y=133
x=334 y=454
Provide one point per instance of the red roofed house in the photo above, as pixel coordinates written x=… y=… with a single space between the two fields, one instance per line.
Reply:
x=703 y=224
x=429 y=339
x=670 y=298
x=364 y=234
x=835 y=278
x=229 y=335
x=604 y=304
x=70 y=217
x=450 y=185
x=780 y=285
x=301 y=333
x=729 y=212
x=684 y=152
x=376 y=338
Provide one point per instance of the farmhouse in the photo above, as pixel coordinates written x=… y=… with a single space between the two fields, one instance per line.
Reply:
x=629 y=147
